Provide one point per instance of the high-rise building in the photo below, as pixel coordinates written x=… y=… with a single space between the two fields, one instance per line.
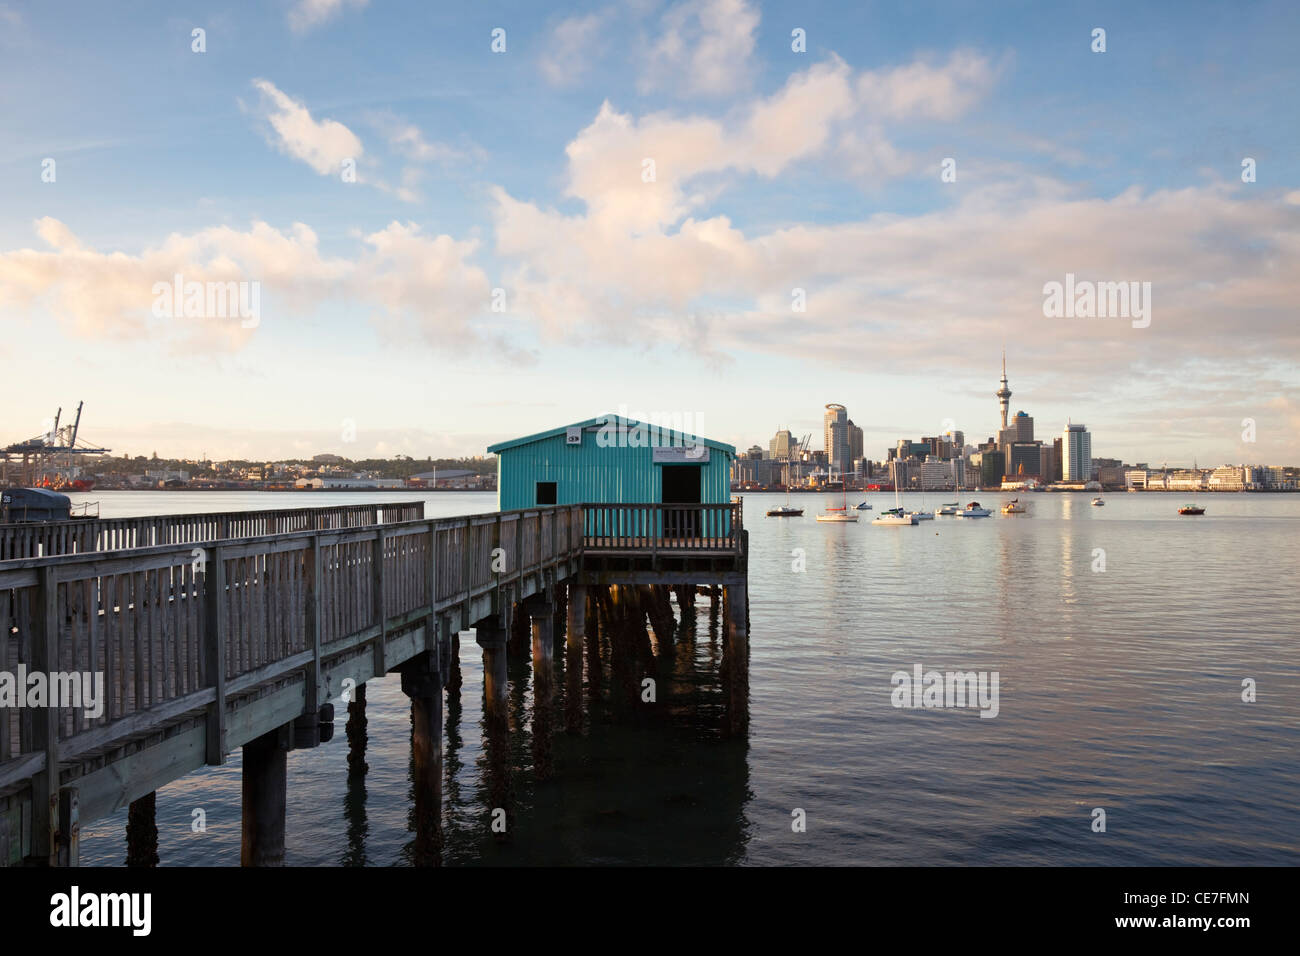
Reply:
x=838 y=452
x=1026 y=459
x=783 y=445
x=1076 y=453
x=1049 y=462
x=855 y=441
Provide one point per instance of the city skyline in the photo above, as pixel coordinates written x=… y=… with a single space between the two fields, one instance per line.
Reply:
x=797 y=236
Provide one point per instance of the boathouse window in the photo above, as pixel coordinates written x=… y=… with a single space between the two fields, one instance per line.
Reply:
x=546 y=492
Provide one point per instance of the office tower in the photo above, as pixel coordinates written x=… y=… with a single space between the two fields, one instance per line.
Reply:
x=783 y=445
x=1076 y=457
x=837 y=438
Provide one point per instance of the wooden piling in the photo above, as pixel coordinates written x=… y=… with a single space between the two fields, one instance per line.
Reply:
x=575 y=632
x=265 y=780
x=736 y=654
x=142 y=831
x=543 y=618
x=496 y=682
x=356 y=732
x=422 y=683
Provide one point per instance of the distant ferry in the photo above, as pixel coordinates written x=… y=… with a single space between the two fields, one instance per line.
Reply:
x=1191 y=510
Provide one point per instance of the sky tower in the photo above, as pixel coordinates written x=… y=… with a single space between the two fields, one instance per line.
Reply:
x=1004 y=391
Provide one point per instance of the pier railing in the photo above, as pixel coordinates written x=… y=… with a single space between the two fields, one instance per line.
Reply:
x=663 y=528
x=37 y=539
x=238 y=631
x=177 y=628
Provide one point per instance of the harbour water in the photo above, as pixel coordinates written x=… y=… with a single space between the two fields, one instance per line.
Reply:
x=1121 y=636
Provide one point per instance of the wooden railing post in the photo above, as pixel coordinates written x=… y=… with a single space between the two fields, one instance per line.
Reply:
x=313 y=623
x=431 y=634
x=45 y=720
x=519 y=545
x=214 y=651
x=380 y=610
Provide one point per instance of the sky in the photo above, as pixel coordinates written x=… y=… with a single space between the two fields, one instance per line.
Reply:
x=465 y=222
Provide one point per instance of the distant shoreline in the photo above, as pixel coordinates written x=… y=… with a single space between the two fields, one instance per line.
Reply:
x=269 y=491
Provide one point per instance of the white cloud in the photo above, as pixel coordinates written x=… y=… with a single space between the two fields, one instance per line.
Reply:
x=406 y=139
x=406 y=279
x=574 y=44
x=923 y=90
x=321 y=144
x=306 y=14
x=703 y=48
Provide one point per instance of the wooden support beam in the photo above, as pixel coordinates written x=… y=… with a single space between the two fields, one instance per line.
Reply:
x=264 y=788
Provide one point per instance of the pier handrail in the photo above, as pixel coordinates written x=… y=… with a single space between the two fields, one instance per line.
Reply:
x=663 y=528
x=177 y=628
x=37 y=539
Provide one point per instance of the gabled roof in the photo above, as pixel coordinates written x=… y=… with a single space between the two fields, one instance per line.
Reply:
x=670 y=435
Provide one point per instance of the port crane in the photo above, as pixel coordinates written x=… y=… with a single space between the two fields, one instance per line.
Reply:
x=48 y=460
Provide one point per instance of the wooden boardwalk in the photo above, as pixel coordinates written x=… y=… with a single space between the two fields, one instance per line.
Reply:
x=212 y=631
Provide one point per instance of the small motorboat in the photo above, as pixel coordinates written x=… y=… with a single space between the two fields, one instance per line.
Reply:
x=973 y=510
x=785 y=511
x=1097 y=503
x=863 y=506
x=922 y=515
x=1013 y=507
x=950 y=508
x=1191 y=510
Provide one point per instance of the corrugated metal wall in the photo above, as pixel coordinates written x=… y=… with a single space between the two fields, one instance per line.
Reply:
x=593 y=473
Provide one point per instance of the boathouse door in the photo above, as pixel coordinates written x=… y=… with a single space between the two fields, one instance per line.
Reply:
x=681 y=486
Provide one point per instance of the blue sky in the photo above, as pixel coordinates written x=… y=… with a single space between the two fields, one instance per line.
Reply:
x=523 y=171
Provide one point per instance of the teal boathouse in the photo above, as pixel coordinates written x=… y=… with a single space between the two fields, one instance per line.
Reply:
x=612 y=460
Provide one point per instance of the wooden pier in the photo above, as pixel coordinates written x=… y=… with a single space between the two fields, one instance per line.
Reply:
x=213 y=632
